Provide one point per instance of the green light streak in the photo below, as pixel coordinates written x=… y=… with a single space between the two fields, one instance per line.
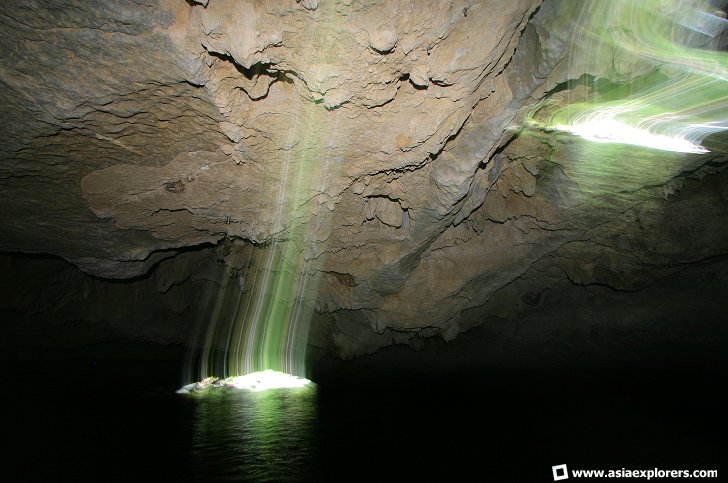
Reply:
x=682 y=96
x=265 y=327
x=270 y=321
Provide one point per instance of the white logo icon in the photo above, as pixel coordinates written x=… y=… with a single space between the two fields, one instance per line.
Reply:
x=560 y=472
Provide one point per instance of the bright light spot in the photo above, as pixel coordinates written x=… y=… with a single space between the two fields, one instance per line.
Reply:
x=658 y=75
x=612 y=131
x=268 y=379
x=255 y=381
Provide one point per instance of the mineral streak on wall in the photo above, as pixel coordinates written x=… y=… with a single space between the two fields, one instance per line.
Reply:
x=668 y=46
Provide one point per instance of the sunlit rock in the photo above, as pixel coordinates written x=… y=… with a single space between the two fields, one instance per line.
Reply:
x=256 y=381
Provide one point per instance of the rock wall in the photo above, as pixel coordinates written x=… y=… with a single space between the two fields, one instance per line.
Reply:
x=387 y=132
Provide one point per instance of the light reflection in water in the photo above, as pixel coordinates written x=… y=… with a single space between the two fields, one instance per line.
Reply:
x=255 y=436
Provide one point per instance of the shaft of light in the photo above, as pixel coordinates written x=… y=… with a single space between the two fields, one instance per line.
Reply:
x=683 y=95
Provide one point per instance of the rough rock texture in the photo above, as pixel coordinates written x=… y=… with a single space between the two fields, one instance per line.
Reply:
x=132 y=131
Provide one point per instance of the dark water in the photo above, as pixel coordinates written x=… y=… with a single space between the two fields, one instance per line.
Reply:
x=105 y=419
x=258 y=436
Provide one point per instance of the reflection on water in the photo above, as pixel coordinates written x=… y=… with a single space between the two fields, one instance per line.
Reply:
x=269 y=435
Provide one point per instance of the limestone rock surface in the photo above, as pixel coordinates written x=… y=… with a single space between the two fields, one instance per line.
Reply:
x=133 y=131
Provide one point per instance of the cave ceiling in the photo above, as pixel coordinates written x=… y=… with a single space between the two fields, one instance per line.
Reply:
x=386 y=137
